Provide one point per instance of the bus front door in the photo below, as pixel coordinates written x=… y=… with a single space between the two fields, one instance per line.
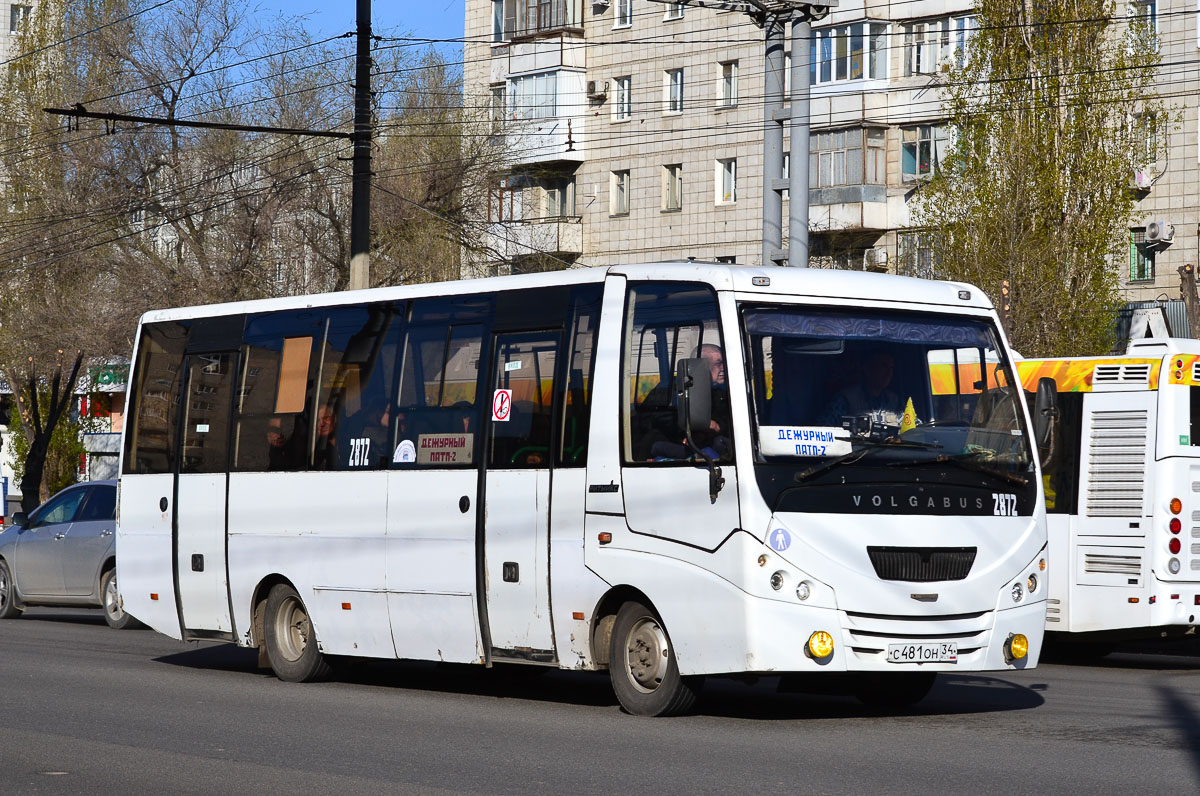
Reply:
x=516 y=517
x=202 y=587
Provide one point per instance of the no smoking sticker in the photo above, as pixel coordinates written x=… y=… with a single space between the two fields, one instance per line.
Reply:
x=502 y=405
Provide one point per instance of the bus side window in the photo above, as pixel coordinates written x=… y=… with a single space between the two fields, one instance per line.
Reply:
x=274 y=405
x=668 y=322
x=585 y=320
x=150 y=440
x=437 y=410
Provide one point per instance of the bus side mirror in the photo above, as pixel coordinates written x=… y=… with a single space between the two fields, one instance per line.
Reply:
x=1045 y=417
x=693 y=380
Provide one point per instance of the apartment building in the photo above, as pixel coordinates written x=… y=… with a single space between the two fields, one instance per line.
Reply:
x=16 y=15
x=636 y=133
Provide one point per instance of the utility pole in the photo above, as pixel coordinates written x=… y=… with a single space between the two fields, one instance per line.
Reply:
x=772 y=16
x=1187 y=290
x=360 y=213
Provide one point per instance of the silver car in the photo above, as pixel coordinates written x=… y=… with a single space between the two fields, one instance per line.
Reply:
x=64 y=554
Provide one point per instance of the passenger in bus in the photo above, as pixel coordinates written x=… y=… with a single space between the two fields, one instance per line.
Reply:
x=281 y=452
x=668 y=441
x=869 y=395
x=325 y=453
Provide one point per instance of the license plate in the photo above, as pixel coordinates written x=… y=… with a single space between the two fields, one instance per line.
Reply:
x=942 y=652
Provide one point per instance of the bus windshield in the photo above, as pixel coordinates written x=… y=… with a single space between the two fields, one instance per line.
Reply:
x=831 y=384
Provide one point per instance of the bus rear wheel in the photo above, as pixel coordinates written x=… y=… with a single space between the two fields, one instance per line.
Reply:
x=641 y=662
x=289 y=639
x=893 y=690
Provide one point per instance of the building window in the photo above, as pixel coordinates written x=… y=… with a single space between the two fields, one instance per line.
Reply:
x=674 y=11
x=499 y=103
x=1145 y=12
x=876 y=161
x=497 y=20
x=18 y=18
x=624 y=13
x=623 y=101
x=506 y=200
x=673 y=186
x=726 y=181
x=728 y=259
x=533 y=96
x=848 y=52
x=916 y=255
x=618 y=194
x=729 y=87
x=1145 y=140
x=934 y=45
x=560 y=197
x=673 y=90
x=787 y=174
x=1141 y=257
x=923 y=150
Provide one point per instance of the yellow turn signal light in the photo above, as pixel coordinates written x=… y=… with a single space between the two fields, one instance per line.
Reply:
x=1176 y=505
x=820 y=645
x=1016 y=647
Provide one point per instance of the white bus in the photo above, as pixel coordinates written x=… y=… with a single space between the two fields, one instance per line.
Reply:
x=500 y=470
x=1123 y=493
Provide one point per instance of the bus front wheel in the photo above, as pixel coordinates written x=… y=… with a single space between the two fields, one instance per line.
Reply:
x=642 y=665
x=289 y=638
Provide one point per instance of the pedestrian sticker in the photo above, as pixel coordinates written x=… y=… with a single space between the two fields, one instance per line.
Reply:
x=780 y=540
x=502 y=405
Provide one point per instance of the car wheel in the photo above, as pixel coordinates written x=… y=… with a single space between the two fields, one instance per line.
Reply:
x=114 y=613
x=290 y=640
x=9 y=607
x=641 y=663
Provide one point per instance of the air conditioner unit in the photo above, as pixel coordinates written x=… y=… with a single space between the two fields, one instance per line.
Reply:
x=596 y=90
x=875 y=259
x=1160 y=232
x=1142 y=180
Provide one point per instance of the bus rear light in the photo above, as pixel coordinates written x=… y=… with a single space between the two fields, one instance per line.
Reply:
x=1016 y=647
x=820 y=645
x=1176 y=505
x=1176 y=596
x=1197 y=600
x=1174 y=546
x=345 y=606
x=1134 y=600
x=1176 y=526
x=1173 y=566
x=1153 y=599
x=153 y=595
x=577 y=615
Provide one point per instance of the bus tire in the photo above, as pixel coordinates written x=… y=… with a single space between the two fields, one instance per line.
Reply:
x=9 y=607
x=893 y=690
x=114 y=613
x=645 y=675
x=289 y=639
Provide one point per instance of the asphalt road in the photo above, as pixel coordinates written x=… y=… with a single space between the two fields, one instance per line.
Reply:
x=87 y=709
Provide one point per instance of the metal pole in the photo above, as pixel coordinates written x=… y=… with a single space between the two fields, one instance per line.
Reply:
x=772 y=169
x=798 y=128
x=360 y=208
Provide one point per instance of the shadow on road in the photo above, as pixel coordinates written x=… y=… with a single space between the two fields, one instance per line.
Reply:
x=1186 y=721
x=748 y=698
x=73 y=616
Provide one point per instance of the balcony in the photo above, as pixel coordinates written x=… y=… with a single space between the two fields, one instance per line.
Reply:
x=526 y=19
x=561 y=236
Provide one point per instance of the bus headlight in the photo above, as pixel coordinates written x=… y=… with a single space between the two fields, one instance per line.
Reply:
x=820 y=645
x=803 y=591
x=1016 y=647
x=1031 y=583
x=777 y=581
x=1017 y=592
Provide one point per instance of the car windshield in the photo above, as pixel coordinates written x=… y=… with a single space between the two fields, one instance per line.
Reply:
x=871 y=387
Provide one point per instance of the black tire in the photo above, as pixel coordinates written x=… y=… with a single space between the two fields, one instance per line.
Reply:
x=893 y=690
x=289 y=638
x=10 y=608
x=110 y=599
x=642 y=665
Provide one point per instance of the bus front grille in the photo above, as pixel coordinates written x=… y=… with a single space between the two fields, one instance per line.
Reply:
x=922 y=564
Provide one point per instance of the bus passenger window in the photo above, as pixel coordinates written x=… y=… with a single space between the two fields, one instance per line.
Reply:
x=667 y=323
x=150 y=440
x=585 y=320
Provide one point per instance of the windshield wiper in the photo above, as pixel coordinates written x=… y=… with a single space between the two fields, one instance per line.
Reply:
x=869 y=445
x=968 y=461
